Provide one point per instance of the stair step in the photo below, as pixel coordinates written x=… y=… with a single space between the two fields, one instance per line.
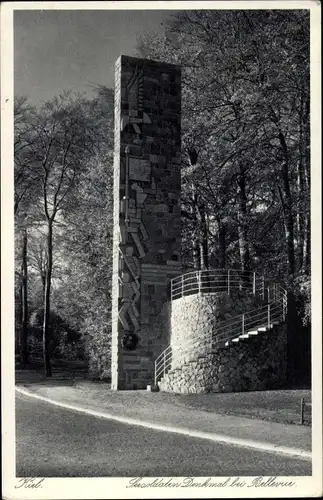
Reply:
x=266 y=328
x=206 y=343
x=250 y=334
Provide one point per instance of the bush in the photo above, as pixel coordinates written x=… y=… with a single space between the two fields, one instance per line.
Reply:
x=97 y=343
x=65 y=342
x=303 y=297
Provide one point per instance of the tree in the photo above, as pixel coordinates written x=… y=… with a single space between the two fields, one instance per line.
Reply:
x=21 y=278
x=82 y=296
x=88 y=243
x=25 y=195
x=245 y=111
x=62 y=144
x=64 y=157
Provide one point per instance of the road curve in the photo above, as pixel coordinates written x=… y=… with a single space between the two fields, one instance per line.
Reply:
x=56 y=442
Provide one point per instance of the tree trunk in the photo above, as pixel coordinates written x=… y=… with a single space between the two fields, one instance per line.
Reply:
x=46 y=325
x=196 y=254
x=300 y=191
x=307 y=188
x=43 y=281
x=300 y=222
x=288 y=213
x=204 y=239
x=24 y=303
x=222 y=245
x=242 y=223
x=196 y=238
x=307 y=245
x=18 y=328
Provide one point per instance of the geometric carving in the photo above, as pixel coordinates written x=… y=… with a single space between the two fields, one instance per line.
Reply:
x=140 y=194
x=145 y=180
x=143 y=231
x=132 y=230
x=133 y=318
x=126 y=120
x=139 y=246
x=133 y=233
x=125 y=277
x=122 y=316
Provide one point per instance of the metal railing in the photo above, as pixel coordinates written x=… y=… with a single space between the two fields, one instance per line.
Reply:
x=215 y=281
x=265 y=316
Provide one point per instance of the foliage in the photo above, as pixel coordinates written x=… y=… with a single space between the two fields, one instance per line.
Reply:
x=64 y=341
x=245 y=105
x=70 y=157
x=245 y=174
x=83 y=297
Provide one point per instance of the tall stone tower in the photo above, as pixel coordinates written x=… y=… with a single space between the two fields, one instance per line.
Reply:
x=147 y=222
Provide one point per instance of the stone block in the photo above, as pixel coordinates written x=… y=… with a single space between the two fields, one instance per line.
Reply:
x=139 y=170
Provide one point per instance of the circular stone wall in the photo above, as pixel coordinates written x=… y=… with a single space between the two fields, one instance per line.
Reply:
x=257 y=364
x=194 y=321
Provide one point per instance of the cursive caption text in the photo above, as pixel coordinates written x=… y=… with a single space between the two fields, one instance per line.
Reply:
x=30 y=482
x=193 y=482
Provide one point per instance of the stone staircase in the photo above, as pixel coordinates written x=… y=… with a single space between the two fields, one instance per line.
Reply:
x=245 y=352
x=251 y=334
x=253 y=361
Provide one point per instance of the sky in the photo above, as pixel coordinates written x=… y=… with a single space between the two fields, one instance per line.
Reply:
x=70 y=50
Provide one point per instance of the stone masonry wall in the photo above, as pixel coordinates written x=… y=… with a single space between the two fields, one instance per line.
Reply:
x=147 y=219
x=197 y=316
x=257 y=363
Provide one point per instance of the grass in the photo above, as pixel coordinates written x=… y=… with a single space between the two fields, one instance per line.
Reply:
x=283 y=406
x=62 y=370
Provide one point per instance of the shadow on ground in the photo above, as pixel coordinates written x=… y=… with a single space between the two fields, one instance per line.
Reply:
x=63 y=373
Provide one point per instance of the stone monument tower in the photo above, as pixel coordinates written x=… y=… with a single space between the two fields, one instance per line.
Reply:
x=147 y=221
